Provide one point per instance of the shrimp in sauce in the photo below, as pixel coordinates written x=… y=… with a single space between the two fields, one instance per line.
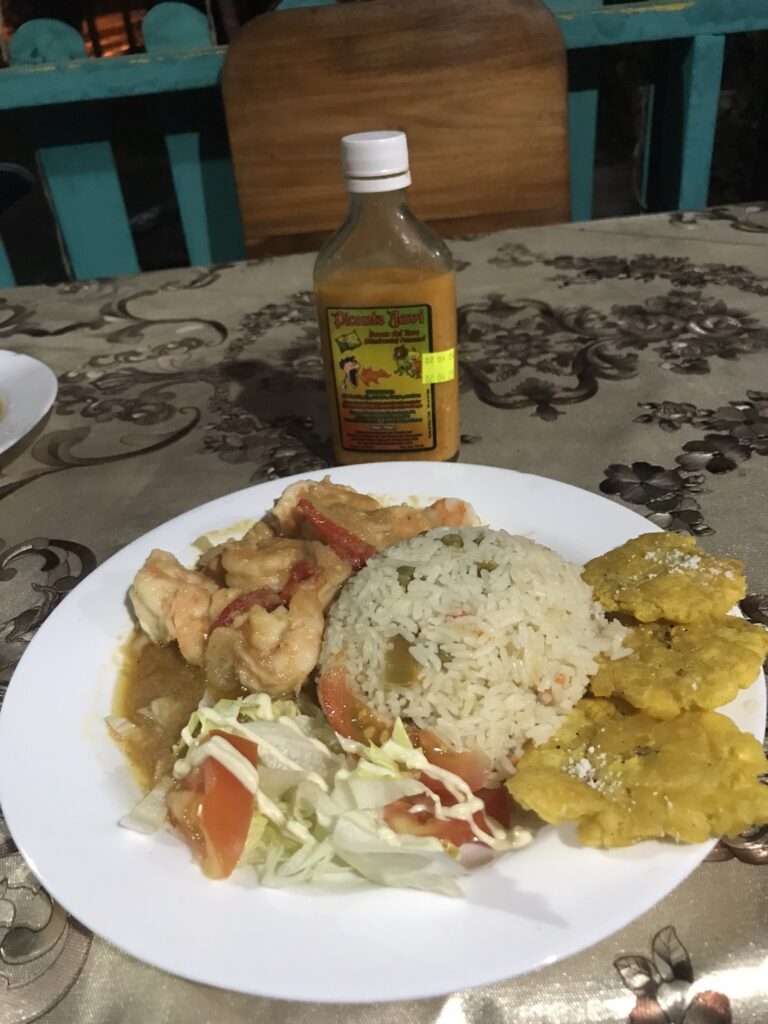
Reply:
x=252 y=613
x=173 y=603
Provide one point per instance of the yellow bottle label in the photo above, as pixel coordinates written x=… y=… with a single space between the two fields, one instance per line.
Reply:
x=439 y=367
x=384 y=372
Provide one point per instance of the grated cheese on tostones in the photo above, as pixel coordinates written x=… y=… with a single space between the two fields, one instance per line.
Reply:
x=624 y=776
x=699 y=666
x=665 y=576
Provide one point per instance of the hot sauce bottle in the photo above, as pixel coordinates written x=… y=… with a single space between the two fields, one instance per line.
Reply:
x=386 y=301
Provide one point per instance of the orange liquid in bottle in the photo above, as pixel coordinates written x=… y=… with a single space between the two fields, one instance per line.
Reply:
x=380 y=407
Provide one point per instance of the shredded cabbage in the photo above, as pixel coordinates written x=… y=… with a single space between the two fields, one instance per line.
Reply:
x=121 y=728
x=319 y=801
x=150 y=813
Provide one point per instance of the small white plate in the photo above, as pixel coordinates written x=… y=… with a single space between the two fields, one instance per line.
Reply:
x=27 y=390
x=64 y=785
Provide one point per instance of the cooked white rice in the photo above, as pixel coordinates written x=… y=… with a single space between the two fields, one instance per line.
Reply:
x=504 y=634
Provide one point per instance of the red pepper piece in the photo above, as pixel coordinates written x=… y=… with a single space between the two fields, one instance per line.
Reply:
x=301 y=571
x=266 y=597
x=345 y=543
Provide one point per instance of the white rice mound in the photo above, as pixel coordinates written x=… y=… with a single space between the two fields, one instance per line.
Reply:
x=505 y=634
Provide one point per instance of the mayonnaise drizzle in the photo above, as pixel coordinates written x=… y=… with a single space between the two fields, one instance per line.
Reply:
x=216 y=720
x=238 y=764
x=467 y=804
x=466 y=807
x=228 y=756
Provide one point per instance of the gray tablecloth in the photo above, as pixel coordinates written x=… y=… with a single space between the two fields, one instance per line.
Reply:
x=628 y=357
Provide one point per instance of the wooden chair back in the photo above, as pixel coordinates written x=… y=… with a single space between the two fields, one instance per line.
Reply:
x=479 y=88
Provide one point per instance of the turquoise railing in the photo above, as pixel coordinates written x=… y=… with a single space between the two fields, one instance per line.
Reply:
x=6 y=273
x=67 y=96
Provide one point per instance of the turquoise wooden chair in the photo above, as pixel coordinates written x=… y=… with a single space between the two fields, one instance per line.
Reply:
x=67 y=97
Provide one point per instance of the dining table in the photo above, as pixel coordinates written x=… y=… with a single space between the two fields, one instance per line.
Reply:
x=626 y=356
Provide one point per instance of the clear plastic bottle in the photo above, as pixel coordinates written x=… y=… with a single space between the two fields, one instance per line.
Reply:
x=386 y=302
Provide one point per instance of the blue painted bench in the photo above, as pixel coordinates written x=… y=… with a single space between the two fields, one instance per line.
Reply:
x=66 y=94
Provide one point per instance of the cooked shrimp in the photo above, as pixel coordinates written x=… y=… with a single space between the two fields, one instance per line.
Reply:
x=381 y=526
x=332 y=572
x=191 y=619
x=173 y=603
x=288 y=519
x=394 y=523
x=221 y=599
x=269 y=652
x=258 y=533
x=390 y=525
x=275 y=650
x=267 y=565
x=272 y=563
x=452 y=512
x=210 y=561
x=364 y=516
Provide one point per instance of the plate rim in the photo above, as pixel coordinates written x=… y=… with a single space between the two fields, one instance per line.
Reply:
x=26 y=424
x=576 y=945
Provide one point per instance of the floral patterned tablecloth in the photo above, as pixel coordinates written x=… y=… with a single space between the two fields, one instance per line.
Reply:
x=629 y=357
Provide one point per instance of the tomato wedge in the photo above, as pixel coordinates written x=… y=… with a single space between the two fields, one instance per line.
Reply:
x=415 y=816
x=498 y=805
x=403 y=819
x=471 y=765
x=212 y=810
x=347 y=714
x=350 y=716
x=345 y=543
x=266 y=597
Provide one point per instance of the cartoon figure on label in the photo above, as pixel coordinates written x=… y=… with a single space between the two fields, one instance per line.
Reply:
x=350 y=367
x=407 y=362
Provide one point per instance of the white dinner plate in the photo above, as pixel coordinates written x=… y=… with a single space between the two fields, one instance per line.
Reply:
x=64 y=785
x=27 y=390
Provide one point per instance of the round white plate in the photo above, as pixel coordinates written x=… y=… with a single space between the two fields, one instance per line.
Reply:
x=27 y=390
x=64 y=786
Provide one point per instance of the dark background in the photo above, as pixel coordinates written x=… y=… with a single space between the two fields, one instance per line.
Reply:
x=110 y=27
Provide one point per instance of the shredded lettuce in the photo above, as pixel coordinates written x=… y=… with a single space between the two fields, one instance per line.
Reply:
x=161 y=710
x=228 y=714
x=319 y=801
x=418 y=862
x=150 y=813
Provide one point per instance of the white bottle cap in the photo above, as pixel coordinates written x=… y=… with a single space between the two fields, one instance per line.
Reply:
x=375 y=161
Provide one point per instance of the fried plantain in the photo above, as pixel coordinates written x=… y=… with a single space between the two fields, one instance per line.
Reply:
x=624 y=776
x=665 y=576
x=698 y=666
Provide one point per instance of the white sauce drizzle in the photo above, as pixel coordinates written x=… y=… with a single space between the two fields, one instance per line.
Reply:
x=217 y=720
x=239 y=765
x=466 y=807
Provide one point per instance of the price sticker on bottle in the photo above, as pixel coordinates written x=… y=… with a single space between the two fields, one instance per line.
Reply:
x=438 y=367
